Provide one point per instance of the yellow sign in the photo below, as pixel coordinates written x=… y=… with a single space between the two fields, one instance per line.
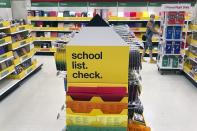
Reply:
x=97 y=64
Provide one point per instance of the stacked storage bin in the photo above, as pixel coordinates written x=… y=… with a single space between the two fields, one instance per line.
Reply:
x=97 y=108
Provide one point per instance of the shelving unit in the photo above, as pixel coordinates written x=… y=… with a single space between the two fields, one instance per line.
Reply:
x=190 y=63
x=171 y=49
x=17 y=53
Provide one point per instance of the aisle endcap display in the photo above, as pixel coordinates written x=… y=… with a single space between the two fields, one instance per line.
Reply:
x=171 y=49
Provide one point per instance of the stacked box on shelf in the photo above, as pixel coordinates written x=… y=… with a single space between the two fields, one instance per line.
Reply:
x=170 y=56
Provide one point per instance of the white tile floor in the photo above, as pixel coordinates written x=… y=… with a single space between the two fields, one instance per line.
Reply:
x=170 y=102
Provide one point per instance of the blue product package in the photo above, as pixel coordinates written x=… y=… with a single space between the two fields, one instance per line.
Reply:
x=177 y=47
x=177 y=32
x=168 y=47
x=169 y=32
x=2 y=51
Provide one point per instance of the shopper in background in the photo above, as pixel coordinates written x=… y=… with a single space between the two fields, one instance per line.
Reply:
x=149 y=34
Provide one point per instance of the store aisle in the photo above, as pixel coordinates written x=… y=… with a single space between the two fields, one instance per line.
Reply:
x=170 y=101
x=34 y=106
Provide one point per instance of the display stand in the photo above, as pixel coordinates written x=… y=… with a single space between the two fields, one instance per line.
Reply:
x=102 y=90
x=171 y=48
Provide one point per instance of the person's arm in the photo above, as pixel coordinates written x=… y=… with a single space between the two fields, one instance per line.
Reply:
x=150 y=26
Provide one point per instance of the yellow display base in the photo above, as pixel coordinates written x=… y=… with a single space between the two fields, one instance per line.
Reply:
x=97 y=118
x=21 y=43
x=6 y=72
x=25 y=72
x=6 y=56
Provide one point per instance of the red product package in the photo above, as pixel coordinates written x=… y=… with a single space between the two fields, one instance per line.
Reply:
x=53 y=34
x=180 y=19
x=53 y=13
x=133 y=14
x=106 y=93
x=39 y=23
x=171 y=17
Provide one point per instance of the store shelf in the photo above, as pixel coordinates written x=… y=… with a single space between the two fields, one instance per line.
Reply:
x=58 y=29
x=24 y=58
x=192 y=57
x=30 y=18
x=6 y=56
x=4 y=73
x=188 y=71
x=5 y=41
x=45 y=50
x=18 y=29
x=193 y=27
x=4 y=25
x=24 y=72
x=8 y=85
x=132 y=18
x=50 y=39
x=193 y=43
x=21 y=43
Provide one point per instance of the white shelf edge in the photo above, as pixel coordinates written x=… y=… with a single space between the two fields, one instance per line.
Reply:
x=2 y=28
x=17 y=32
x=5 y=44
x=6 y=75
x=6 y=59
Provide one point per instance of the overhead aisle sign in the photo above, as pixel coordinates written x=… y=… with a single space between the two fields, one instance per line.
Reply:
x=5 y=4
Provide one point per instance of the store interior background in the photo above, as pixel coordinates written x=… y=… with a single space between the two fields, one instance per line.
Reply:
x=169 y=100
